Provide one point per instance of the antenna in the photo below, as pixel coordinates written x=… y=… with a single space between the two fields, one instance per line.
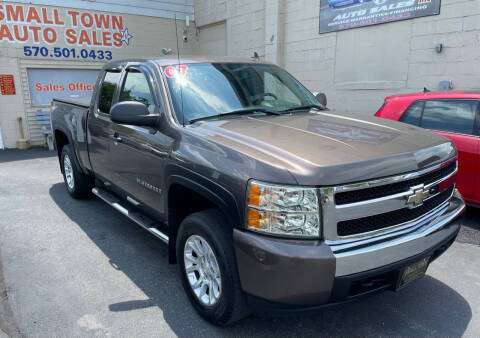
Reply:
x=178 y=72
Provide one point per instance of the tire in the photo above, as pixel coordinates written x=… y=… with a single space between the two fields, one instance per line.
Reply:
x=78 y=184
x=229 y=303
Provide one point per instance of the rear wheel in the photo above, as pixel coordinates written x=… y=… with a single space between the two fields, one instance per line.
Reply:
x=208 y=268
x=78 y=184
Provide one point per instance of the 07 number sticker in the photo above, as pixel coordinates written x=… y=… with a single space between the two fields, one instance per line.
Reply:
x=172 y=71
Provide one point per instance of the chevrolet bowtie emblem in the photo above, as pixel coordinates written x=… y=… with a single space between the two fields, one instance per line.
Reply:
x=418 y=195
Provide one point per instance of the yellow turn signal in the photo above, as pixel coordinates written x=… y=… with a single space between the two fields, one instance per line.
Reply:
x=254 y=218
x=254 y=197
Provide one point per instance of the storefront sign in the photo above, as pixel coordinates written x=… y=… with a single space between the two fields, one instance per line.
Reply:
x=7 y=85
x=338 y=15
x=45 y=31
x=46 y=84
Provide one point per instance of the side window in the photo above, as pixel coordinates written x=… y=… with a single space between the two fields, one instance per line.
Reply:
x=457 y=116
x=413 y=113
x=109 y=85
x=136 y=88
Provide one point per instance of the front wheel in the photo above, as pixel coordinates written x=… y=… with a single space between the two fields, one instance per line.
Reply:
x=208 y=268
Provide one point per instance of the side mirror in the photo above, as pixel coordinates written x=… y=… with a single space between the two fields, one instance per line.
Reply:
x=321 y=98
x=134 y=113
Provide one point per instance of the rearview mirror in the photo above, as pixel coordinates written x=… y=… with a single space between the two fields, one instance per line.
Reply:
x=134 y=113
x=321 y=98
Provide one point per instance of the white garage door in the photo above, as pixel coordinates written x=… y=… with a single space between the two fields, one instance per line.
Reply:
x=213 y=40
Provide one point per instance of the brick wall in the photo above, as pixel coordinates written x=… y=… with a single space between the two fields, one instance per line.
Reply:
x=208 y=12
x=458 y=29
x=357 y=68
x=245 y=28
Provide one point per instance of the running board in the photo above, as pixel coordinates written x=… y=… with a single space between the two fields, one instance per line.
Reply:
x=139 y=218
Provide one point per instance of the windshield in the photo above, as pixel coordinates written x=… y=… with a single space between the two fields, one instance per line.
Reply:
x=211 y=89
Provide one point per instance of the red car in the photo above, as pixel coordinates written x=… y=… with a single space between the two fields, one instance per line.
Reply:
x=455 y=115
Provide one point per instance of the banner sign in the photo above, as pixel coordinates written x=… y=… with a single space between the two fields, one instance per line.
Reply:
x=7 y=85
x=336 y=15
x=54 y=32
x=46 y=84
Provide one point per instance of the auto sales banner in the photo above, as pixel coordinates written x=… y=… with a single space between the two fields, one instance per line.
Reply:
x=336 y=15
x=58 y=33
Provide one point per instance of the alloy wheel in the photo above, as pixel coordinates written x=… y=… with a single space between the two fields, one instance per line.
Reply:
x=67 y=167
x=203 y=272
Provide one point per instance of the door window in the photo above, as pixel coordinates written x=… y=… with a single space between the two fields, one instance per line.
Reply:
x=136 y=88
x=107 y=91
x=413 y=113
x=457 y=116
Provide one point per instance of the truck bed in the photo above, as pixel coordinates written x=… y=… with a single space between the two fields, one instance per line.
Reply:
x=82 y=101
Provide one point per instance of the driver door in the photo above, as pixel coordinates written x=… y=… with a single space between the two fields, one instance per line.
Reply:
x=139 y=153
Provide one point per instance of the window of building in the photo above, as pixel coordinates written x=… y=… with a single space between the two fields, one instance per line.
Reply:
x=109 y=86
x=457 y=116
x=413 y=113
x=136 y=88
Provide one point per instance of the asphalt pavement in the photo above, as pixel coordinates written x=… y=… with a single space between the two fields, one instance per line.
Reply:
x=79 y=268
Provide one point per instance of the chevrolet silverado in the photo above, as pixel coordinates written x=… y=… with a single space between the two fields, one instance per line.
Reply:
x=269 y=203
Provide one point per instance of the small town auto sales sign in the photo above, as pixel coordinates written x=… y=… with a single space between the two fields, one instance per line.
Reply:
x=56 y=25
x=336 y=15
x=58 y=33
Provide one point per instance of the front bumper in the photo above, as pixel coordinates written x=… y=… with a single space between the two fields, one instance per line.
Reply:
x=285 y=275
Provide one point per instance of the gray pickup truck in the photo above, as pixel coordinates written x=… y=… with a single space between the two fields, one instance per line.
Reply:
x=268 y=202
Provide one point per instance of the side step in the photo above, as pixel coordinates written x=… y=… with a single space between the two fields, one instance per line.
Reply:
x=139 y=218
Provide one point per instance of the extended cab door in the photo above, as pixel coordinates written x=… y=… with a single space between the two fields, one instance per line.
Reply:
x=456 y=119
x=99 y=134
x=138 y=154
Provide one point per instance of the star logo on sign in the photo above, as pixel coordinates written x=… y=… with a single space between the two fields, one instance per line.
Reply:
x=125 y=36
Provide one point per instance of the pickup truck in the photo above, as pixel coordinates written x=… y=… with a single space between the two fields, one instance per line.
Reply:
x=268 y=202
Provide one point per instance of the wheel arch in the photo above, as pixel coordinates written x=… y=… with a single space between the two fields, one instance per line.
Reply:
x=61 y=139
x=194 y=194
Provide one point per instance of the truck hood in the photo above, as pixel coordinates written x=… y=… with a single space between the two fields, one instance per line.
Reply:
x=325 y=148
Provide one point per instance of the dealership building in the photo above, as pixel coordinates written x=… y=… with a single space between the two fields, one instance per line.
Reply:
x=357 y=52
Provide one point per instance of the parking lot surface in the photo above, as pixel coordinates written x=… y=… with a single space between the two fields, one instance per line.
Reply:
x=79 y=268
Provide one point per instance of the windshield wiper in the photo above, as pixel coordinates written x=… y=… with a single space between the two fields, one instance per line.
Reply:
x=300 y=108
x=238 y=112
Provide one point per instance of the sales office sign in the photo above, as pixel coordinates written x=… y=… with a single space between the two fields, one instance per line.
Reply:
x=63 y=33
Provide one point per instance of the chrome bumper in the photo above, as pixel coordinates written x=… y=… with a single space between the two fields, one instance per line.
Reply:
x=419 y=237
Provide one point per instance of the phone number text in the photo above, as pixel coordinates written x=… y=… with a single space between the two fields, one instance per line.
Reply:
x=69 y=53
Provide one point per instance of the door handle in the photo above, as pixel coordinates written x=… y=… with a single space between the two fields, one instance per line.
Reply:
x=153 y=150
x=115 y=137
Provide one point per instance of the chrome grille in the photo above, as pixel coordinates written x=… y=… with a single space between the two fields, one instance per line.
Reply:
x=393 y=188
x=383 y=207
x=388 y=219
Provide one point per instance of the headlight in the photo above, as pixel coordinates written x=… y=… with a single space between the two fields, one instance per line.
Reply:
x=283 y=210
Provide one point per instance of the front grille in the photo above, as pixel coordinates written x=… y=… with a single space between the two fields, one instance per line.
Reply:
x=393 y=188
x=388 y=219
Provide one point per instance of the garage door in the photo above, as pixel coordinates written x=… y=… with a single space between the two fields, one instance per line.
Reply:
x=213 y=40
